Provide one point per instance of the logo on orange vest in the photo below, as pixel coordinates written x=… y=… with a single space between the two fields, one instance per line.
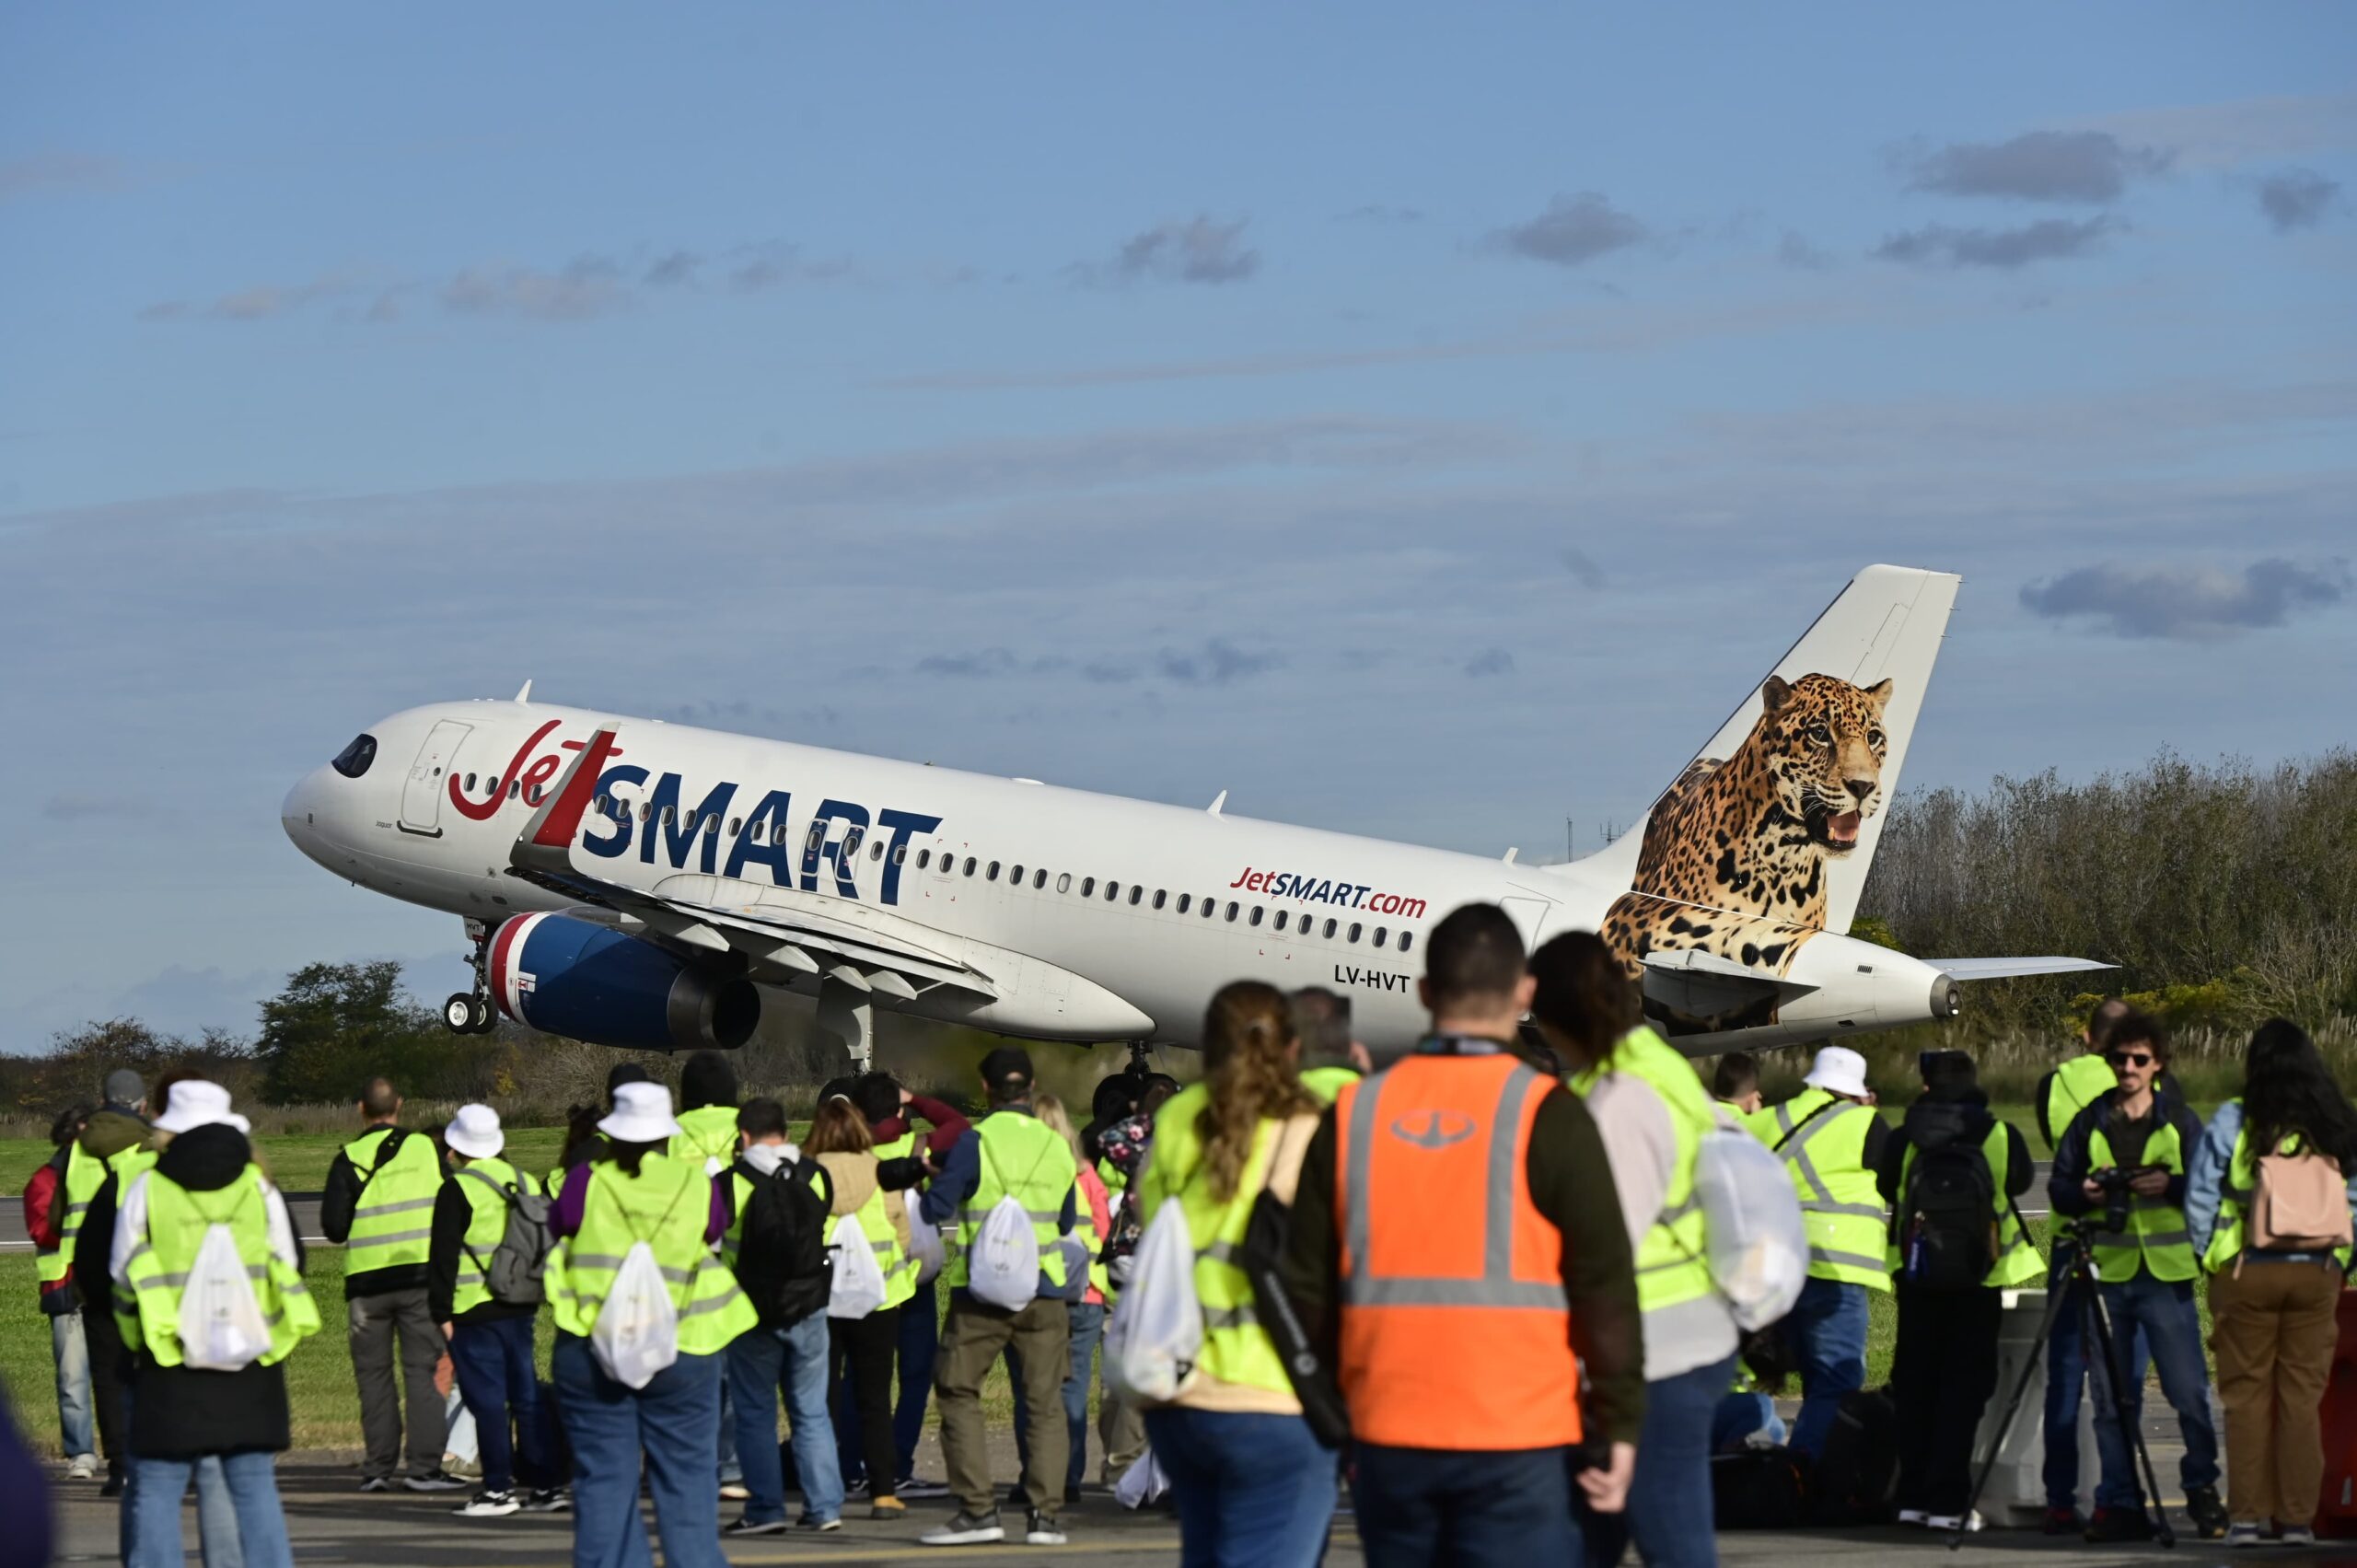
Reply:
x=1434 y=1128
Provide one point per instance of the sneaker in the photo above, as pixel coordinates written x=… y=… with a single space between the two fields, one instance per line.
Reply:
x=547 y=1500
x=814 y=1525
x=434 y=1480
x=2113 y=1525
x=887 y=1508
x=487 y=1504
x=113 y=1487
x=753 y=1528
x=855 y=1488
x=2296 y=1535
x=2209 y=1516
x=1955 y=1524
x=83 y=1468
x=1041 y=1531
x=966 y=1529
x=1912 y=1516
x=917 y=1487
x=378 y=1483
x=2244 y=1532
x=733 y=1491
x=2064 y=1522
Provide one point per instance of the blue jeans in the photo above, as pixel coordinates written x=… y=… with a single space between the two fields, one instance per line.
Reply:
x=2170 y=1341
x=493 y=1363
x=1668 y=1512
x=1252 y=1491
x=2066 y=1380
x=1738 y=1416
x=152 y=1494
x=217 y=1517
x=759 y=1361
x=1087 y=1326
x=75 y=1414
x=1508 y=1508
x=1827 y=1331
x=674 y=1423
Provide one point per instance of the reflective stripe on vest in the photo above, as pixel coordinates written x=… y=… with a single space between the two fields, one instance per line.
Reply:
x=1671 y=1267
x=1456 y=1330
x=480 y=1182
x=2017 y=1261
x=393 y=1223
x=2155 y=1238
x=1235 y=1348
x=157 y=1267
x=2077 y=1083
x=1844 y=1213
x=667 y=1206
x=1022 y=1159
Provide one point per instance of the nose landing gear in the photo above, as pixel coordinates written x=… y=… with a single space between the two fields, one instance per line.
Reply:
x=470 y=1012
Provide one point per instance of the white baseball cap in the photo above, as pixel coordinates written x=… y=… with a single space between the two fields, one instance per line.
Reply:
x=196 y=1103
x=1840 y=1071
x=641 y=1114
x=474 y=1133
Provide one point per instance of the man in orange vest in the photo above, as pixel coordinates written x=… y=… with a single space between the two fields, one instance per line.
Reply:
x=1458 y=1248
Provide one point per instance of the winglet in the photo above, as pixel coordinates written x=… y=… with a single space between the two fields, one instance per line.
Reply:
x=1512 y=853
x=524 y=695
x=546 y=842
x=1215 y=805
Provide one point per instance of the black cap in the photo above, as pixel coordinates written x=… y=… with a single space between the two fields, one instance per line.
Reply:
x=1008 y=1066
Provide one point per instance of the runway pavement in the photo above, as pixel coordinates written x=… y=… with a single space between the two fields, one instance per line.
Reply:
x=330 y=1522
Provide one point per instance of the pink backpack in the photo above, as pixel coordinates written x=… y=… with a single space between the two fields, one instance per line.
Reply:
x=2299 y=1203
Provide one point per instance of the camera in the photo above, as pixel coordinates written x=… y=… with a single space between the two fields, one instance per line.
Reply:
x=2116 y=1198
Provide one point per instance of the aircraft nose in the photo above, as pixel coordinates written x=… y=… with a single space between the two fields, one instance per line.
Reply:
x=300 y=814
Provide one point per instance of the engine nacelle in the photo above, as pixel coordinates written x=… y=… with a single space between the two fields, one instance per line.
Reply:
x=588 y=982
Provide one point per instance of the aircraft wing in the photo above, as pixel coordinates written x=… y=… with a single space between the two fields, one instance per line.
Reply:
x=2006 y=969
x=783 y=930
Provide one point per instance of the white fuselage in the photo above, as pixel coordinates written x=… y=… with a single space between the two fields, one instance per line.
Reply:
x=432 y=817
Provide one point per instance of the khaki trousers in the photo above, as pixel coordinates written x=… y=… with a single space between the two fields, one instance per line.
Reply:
x=2273 y=1331
x=974 y=1335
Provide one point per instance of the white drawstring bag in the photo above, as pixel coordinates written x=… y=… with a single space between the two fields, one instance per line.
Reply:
x=1755 y=1238
x=1156 y=1334
x=221 y=1326
x=1143 y=1484
x=858 y=1287
x=924 y=1246
x=637 y=1331
x=1003 y=1267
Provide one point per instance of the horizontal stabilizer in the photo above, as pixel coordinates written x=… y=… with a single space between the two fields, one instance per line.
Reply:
x=2008 y=968
x=1688 y=981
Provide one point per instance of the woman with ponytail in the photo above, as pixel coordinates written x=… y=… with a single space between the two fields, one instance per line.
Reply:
x=1253 y=1484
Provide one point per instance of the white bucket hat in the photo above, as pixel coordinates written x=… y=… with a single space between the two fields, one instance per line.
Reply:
x=641 y=1114
x=196 y=1103
x=474 y=1133
x=1840 y=1071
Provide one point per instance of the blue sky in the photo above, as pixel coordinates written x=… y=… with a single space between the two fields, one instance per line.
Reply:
x=1411 y=427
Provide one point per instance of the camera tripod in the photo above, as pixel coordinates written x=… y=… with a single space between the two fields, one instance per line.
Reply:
x=2078 y=1285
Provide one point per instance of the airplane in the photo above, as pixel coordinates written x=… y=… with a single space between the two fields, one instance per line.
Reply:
x=654 y=887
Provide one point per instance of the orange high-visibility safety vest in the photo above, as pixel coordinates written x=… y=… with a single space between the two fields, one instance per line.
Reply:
x=1456 y=1332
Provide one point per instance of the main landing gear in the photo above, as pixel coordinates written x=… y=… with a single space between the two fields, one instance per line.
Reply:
x=470 y=1012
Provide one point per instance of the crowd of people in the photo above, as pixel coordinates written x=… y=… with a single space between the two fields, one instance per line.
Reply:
x=1471 y=1294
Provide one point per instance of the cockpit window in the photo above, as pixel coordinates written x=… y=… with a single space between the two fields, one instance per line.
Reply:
x=354 y=760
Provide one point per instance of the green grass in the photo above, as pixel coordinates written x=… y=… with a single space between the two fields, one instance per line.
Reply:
x=296 y=1161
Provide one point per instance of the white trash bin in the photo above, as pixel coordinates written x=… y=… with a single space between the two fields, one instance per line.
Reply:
x=2017 y=1490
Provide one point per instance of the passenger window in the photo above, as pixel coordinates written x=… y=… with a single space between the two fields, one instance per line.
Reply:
x=851 y=842
x=924 y=858
x=1112 y=891
x=671 y=814
x=712 y=826
x=1039 y=877
x=1256 y=914
x=646 y=809
x=1063 y=882
x=992 y=875
x=690 y=822
x=1354 y=931
x=1015 y=877
x=1087 y=887
x=876 y=851
x=1136 y=893
x=1184 y=899
x=1209 y=906
x=515 y=792
x=817 y=836
x=470 y=785
x=1160 y=897
x=354 y=760
x=1405 y=937
x=970 y=865
x=757 y=830
x=901 y=856
x=1281 y=920
x=1329 y=930
x=1382 y=938
x=1231 y=913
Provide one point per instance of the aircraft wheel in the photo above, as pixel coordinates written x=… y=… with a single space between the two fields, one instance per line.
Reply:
x=458 y=1013
x=486 y=1016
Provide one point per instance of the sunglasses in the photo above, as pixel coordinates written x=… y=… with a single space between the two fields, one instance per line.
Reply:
x=2132 y=1059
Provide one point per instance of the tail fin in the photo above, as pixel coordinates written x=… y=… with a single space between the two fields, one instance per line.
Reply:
x=1885 y=625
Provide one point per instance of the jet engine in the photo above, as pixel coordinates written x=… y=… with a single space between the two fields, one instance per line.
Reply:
x=571 y=977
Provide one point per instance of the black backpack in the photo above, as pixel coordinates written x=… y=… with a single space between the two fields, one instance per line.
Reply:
x=1944 y=1221
x=1855 y=1479
x=782 y=1241
x=1758 y=1489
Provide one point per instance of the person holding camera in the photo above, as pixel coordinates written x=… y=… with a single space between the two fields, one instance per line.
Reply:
x=2124 y=1157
